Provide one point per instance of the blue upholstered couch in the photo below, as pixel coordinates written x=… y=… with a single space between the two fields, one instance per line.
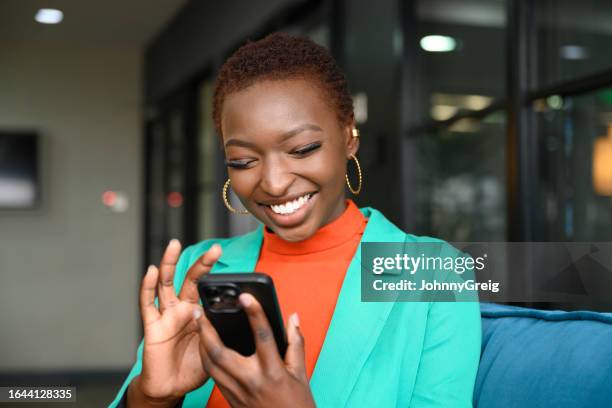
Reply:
x=537 y=358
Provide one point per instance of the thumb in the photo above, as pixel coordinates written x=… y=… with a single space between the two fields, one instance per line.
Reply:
x=295 y=358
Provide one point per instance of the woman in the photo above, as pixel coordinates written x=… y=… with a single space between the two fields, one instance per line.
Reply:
x=285 y=117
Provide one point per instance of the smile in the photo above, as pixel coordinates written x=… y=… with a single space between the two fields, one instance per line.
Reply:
x=291 y=213
x=291 y=206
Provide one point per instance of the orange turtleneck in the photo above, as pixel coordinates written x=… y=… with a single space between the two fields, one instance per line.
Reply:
x=308 y=276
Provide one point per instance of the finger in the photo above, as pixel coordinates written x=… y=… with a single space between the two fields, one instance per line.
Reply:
x=295 y=358
x=148 y=287
x=167 y=293
x=265 y=345
x=189 y=291
x=218 y=357
x=233 y=397
x=228 y=386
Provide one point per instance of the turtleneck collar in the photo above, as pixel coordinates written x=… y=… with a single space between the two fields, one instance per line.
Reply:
x=337 y=232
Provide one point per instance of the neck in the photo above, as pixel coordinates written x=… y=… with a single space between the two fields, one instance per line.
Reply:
x=338 y=210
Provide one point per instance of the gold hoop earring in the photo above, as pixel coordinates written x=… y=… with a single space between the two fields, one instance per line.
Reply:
x=227 y=203
x=348 y=183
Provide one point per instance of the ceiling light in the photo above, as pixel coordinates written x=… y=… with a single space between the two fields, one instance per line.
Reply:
x=49 y=16
x=573 y=52
x=438 y=43
x=477 y=102
x=443 y=112
x=470 y=102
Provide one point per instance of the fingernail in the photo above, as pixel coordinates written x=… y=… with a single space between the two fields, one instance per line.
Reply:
x=150 y=269
x=246 y=299
x=295 y=320
x=173 y=242
x=197 y=313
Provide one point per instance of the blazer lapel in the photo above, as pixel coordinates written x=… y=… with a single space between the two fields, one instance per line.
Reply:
x=355 y=325
x=241 y=254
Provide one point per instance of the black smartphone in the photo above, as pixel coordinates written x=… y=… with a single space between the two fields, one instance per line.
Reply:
x=219 y=294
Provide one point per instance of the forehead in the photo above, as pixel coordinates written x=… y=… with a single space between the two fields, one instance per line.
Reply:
x=274 y=106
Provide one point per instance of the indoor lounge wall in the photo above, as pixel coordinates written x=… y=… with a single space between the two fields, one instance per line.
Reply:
x=70 y=268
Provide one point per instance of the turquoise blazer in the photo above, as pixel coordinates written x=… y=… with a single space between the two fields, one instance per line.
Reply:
x=383 y=354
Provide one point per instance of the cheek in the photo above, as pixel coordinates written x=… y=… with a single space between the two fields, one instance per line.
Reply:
x=243 y=182
x=329 y=171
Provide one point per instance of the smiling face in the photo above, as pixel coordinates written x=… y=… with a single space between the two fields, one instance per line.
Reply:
x=284 y=144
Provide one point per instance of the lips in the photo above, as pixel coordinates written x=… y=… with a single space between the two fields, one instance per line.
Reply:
x=295 y=218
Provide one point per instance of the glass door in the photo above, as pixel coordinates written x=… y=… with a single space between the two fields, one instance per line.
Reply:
x=170 y=198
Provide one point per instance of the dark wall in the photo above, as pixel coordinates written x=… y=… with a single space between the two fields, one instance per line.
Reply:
x=371 y=59
x=199 y=36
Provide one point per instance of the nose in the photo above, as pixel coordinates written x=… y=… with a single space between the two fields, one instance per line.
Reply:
x=276 y=178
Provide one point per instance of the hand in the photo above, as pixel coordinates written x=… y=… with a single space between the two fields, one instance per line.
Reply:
x=171 y=362
x=262 y=379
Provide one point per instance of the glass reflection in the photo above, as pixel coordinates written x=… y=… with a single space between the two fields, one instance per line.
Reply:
x=573 y=38
x=461 y=180
x=576 y=166
x=461 y=56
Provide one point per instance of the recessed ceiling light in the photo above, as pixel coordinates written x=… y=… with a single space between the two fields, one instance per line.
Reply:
x=49 y=16
x=573 y=52
x=438 y=43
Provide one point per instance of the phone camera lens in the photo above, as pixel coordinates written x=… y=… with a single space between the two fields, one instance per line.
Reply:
x=230 y=294
x=212 y=292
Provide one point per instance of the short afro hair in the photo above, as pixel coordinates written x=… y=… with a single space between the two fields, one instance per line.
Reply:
x=282 y=56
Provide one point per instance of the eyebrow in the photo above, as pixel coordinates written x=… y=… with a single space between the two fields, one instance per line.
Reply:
x=284 y=137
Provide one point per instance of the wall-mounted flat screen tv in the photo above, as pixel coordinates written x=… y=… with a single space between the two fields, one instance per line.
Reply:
x=19 y=178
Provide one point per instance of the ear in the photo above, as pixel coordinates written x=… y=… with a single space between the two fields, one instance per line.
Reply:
x=351 y=142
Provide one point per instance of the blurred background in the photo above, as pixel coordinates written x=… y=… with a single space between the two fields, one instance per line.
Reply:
x=481 y=120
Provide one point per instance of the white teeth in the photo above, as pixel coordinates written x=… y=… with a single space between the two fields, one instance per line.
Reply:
x=291 y=206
